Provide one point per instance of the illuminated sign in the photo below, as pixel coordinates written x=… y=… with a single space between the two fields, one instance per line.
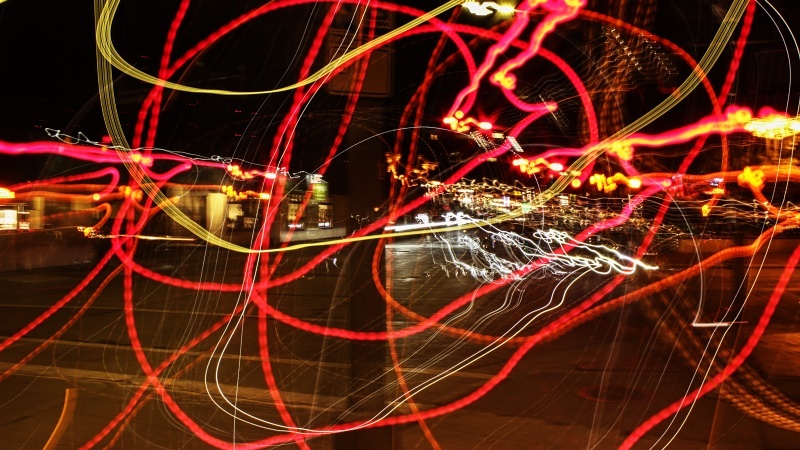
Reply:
x=319 y=191
x=8 y=219
x=318 y=187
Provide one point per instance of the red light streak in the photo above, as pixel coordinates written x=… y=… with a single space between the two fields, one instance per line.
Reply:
x=129 y=210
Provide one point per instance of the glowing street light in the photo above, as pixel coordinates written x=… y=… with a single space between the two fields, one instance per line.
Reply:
x=485 y=8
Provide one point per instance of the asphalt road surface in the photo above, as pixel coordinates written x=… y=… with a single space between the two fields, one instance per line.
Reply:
x=66 y=379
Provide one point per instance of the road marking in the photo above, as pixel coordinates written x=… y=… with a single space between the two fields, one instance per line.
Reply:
x=243 y=394
x=287 y=361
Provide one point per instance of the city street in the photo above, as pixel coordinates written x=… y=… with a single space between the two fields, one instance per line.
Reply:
x=594 y=384
x=400 y=225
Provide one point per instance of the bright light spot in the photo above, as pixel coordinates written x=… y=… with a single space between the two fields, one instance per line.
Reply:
x=485 y=8
x=458 y=122
x=774 y=127
x=622 y=151
x=610 y=184
x=751 y=178
x=476 y=8
x=504 y=9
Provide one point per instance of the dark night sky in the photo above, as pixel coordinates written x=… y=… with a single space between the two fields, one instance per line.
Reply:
x=50 y=76
x=48 y=64
x=53 y=81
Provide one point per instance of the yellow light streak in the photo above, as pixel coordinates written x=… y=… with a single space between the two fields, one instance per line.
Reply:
x=106 y=47
x=610 y=184
x=110 y=56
